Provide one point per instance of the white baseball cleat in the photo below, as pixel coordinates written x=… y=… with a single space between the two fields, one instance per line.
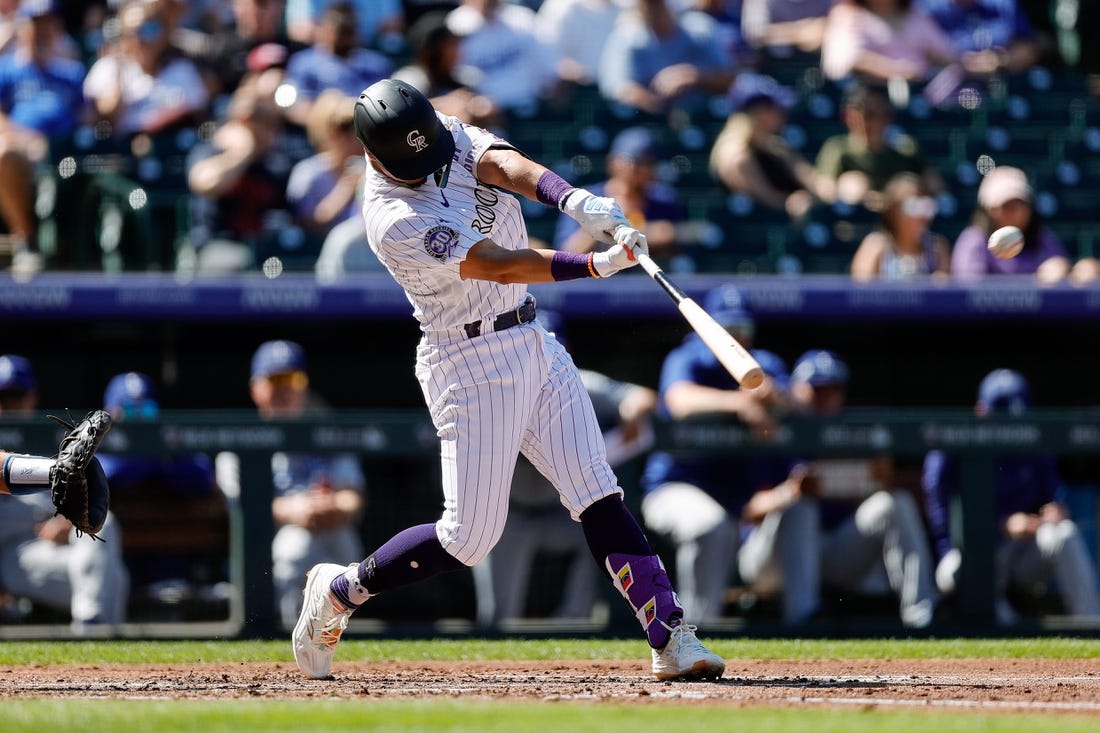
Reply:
x=685 y=658
x=322 y=621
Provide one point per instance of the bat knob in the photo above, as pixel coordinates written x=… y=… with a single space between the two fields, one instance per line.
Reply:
x=753 y=378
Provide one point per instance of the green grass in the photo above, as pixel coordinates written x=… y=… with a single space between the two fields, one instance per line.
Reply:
x=330 y=715
x=338 y=716
x=168 y=652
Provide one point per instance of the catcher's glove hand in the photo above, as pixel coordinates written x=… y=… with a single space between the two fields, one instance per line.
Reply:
x=79 y=488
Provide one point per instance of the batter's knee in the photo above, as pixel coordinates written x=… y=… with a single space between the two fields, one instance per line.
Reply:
x=468 y=545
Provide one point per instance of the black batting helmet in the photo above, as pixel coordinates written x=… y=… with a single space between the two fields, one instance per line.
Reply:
x=399 y=127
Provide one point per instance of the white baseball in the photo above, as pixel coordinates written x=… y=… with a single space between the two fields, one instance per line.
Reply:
x=1006 y=242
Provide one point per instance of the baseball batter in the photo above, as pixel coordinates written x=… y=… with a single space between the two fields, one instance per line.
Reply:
x=440 y=217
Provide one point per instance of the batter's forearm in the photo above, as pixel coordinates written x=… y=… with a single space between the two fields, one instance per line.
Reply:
x=488 y=261
x=510 y=170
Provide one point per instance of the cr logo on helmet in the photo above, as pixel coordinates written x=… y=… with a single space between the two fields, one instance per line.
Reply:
x=416 y=141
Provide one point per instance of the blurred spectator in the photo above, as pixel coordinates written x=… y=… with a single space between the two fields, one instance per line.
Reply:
x=224 y=55
x=577 y=31
x=782 y=24
x=433 y=69
x=18 y=386
x=41 y=556
x=9 y=21
x=13 y=14
x=499 y=53
x=318 y=498
x=989 y=36
x=651 y=206
x=696 y=502
x=1005 y=199
x=237 y=179
x=537 y=521
x=880 y=40
x=1038 y=541
x=867 y=525
x=902 y=246
x=653 y=63
x=863 y=159
x=334 y=61
x=720 y=20
x=176 y=485
x=321 y=190
x=40 y=103
x=379 y=23
x=751 y=156
x=142 y=84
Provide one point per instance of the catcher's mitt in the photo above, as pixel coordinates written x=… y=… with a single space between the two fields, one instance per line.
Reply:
x=79 y=488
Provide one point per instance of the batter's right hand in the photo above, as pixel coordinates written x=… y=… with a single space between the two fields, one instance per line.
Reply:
x=599 y=216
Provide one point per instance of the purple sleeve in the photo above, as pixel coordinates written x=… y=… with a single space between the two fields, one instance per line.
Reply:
x=935 y=484
x=969 y=256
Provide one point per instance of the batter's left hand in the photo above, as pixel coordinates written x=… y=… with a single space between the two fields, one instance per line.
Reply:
x=633 y=241
x=630 y=243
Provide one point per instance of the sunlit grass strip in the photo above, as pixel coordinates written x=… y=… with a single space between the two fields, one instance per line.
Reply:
x=372 y=650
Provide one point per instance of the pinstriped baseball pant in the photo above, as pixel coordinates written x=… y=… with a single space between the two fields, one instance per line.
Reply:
x=492 y=397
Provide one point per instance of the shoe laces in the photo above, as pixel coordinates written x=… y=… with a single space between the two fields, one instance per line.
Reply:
x=328 y=636
x=685 y=638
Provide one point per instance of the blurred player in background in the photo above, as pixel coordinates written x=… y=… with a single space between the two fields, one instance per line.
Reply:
x=173 y=484
x=697 y=501
x=866 y=523
x=40 y=557
x=18 y=386
x=1039 y=542
x=318 y=498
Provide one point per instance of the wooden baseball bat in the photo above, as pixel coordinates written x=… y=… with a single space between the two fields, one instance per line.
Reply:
x=732 y=355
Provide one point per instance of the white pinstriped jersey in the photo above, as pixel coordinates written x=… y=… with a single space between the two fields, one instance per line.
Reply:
x=421 y=235
x=494 y=395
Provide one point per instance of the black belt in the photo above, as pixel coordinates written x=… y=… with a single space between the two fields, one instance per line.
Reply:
x=525 y=313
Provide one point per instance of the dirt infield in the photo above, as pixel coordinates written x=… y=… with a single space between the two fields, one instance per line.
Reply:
x=1048 y=686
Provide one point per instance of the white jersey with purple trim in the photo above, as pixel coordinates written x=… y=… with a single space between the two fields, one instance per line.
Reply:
x=422 y=233
x=492 y=395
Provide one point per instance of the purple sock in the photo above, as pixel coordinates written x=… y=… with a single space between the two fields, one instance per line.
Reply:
x=610 y=527
x=409 y=556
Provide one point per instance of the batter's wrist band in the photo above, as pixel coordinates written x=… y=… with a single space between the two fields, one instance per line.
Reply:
x=552 y=189
x=571 y=266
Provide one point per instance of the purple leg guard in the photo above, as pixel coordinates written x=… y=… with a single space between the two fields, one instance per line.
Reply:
x=645 y=585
